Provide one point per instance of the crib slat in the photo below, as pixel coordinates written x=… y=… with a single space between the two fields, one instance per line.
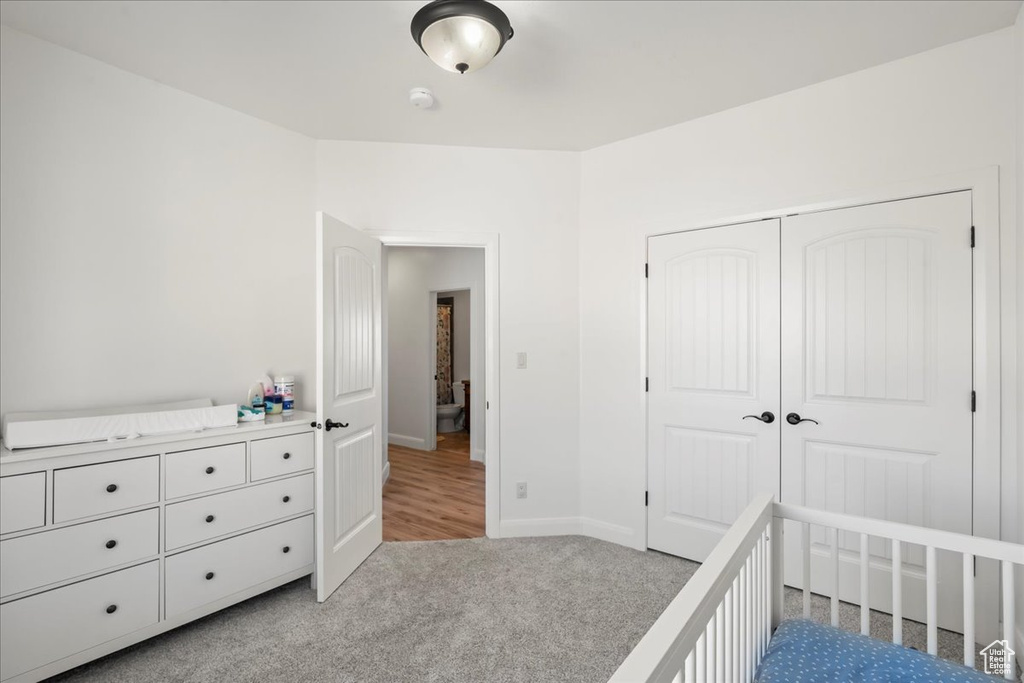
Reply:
x=1009 y=624
x=766 y=592
x=720 y=644
x=833 y=543
x=712 y=646
x=932 y=599
x=805 y=551
x=865 y=598
x=897 y=592
x=749 y=644
x=745 y=620
x=690 y=667
x=700 y=666
x=758 y=602
x=730 y=633
x=778 y=583
x=969 y=611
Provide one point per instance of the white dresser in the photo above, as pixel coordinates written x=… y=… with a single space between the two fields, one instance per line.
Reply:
x=104 y=545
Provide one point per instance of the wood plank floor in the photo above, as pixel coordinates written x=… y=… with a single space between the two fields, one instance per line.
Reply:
x=434 y=495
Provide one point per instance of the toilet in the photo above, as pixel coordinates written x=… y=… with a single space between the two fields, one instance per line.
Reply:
x=449 y=417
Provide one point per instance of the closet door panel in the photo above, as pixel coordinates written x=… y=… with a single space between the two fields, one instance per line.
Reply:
x=713 y=300
x=877 y=350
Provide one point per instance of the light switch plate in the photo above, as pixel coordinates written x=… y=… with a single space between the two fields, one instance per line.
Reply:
x=521 y=360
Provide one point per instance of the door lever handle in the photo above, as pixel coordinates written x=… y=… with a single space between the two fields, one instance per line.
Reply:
x=330 y=424
x=765 y=417
x=795 y=419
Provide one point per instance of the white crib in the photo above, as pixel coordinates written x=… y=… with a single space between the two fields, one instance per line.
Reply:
x=718 y=627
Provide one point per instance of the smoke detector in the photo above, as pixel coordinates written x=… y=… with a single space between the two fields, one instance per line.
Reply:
x=421 y=98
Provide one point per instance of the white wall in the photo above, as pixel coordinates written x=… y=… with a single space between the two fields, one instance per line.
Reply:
x=153 y=245
x=462 y=319
x=413 y=273
x=943 y=111
x=531 y=200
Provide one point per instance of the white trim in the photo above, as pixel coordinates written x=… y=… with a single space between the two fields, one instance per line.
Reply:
x=477 y=454
x=407 y=441
x=385 y=473
x=489 y=242
x=995 y=469
x=550 y=526
x=603 y=531
x=569 y=526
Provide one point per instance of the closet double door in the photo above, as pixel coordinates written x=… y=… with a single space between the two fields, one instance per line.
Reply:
x=825 y=358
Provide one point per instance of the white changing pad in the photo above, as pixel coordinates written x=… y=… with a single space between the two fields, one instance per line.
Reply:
x=34 y=430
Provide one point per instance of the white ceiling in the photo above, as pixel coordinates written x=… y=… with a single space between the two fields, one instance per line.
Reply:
x=576 y=75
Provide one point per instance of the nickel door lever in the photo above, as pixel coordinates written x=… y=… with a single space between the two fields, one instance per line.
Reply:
x=765 y=417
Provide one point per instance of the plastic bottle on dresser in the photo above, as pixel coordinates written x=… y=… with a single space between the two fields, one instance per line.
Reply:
x=285 y=386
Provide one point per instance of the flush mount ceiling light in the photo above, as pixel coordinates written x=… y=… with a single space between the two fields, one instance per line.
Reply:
x=461 y=35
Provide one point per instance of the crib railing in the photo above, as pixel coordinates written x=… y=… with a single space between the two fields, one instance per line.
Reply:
x=718 y=627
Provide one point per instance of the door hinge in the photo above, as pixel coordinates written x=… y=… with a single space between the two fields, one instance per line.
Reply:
x=487 y=405
x=647 y=270
x=647 y=384
x=974 y=401
x=647 y=498
x=972 y=237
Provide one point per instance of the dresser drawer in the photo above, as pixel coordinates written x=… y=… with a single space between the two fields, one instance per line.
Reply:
x=22 y=502
x=216 y=571
x=56 y=624
x=281 y=455
x=95 y=489
x=47 y=557
x=204 y=469
x=201 y=519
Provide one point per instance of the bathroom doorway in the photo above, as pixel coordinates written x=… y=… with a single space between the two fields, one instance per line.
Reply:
x=436 y=393
x=453 y=356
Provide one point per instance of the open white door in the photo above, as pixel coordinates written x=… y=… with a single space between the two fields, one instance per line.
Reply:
x=349 y=444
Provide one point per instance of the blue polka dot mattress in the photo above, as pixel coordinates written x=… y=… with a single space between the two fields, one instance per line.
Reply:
x=803 y=651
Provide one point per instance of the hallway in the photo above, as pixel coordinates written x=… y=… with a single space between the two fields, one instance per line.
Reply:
x=434 y=495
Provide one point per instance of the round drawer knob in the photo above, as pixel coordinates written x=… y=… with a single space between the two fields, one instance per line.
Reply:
x=286 y=549
x=111 y=609
x=286 y=499
x=111 y=543
x=209 y=518
x=287 y=456
x=209 y=470
x=111 y=488
x=209 y=576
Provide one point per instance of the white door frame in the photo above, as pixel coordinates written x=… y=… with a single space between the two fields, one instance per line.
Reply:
x=489 y=243
x=995 y=468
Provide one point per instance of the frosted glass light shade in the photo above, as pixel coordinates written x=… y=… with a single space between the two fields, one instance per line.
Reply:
x=461 y=44
x=461 y=35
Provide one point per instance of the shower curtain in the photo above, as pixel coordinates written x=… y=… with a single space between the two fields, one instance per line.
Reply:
x=444 y=355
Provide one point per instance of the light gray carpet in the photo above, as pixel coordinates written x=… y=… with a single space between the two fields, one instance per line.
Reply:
x=532 y=610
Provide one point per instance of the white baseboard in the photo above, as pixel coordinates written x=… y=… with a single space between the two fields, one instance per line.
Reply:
x=613 y=533
x=551 y=526
x=477 y=455
x=407 y=441
x=385 y=473
x=571 y=526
